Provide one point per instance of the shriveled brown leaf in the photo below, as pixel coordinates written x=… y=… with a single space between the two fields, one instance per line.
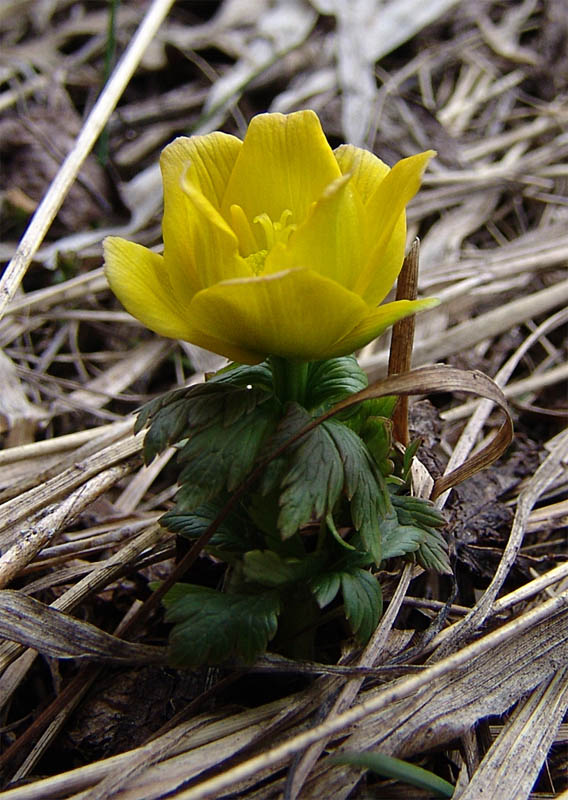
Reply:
x=54 y=633
x=512 y=764
x=441 y=378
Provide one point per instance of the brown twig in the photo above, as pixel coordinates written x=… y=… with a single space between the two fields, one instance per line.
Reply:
x=400 y=358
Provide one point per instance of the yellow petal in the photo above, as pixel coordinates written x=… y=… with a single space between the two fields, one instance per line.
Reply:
x=232 y=351
x=296 y=314
x=330 y=241
x=285 y=163
x=367 y=170
x=139 y=279
x=376 y=323
x=384 y=263
x=213 y=244
x=206 y=163
x=385 y=210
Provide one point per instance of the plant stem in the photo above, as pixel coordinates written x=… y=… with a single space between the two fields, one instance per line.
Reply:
x=297 y=625
x=289 y=379
x=322 y=536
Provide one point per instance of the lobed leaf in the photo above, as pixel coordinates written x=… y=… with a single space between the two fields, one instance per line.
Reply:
x=373 y=407
x=325 y=587
x=268 y=568
x=220 y=458
x=433 y=552
x=257 y=376
x=418 y=518
x=332 y=380
x=417 y=511
x=211 y=627
x=185 y=412
x=312 y=483
x=364 y=487
x=168 y=425
x=234 y=535
x=363 y=602
x=289 y=425
x=377 y=435
x=400 y=540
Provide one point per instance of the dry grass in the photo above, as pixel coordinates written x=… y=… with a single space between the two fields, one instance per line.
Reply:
x=485 y=83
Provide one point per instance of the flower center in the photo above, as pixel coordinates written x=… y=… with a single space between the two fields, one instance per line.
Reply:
x=256 y=261
x=275 y=231
x=272 y=232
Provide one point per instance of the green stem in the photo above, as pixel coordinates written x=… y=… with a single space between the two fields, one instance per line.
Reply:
x=289 y=379
x=322 y=536
x=297 y=625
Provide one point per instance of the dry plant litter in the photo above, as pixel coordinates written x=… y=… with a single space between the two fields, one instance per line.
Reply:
x=486 y=84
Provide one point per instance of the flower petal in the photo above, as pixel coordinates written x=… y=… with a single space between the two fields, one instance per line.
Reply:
x=285 y=163
x=213 y=244
x=139 y=279
x=295 y=314
x=385 y=220
x=367 y=170
x=331 y=240
x=233 y=352
x=206 y=163
x=376 y=322
x=384 y=263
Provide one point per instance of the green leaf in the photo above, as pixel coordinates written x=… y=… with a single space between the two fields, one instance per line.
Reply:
x=178 y=415
x=377 y=435
x=390 y=767
x=400 y=540
x=268 y=568
x=233 y=536
x=330 y=522
x=219 y=458
x=263 y=511
x=332 y=380
x=433 y=552
x=347 y=561
x=313 y=479
x=168 y=422
x=419 y=515
x=325 y=587
x=417 y=511
x=409 y=454
x=289 y=425
x=363 y=601
x=150 y=409
x=364 y=486
x=211 y=627
x=374 y=407
x=257 y=376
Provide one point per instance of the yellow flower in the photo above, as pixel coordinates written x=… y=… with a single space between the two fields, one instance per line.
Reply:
x=275 y=245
